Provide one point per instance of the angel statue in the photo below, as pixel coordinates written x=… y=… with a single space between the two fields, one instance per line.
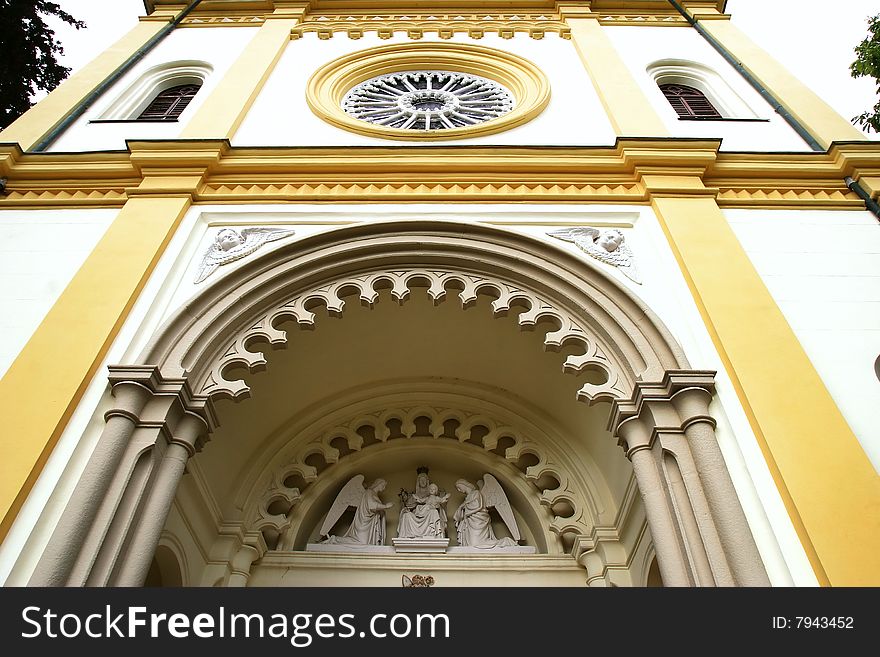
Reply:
x=606 y=245
x=472 y=518
x=368 y=526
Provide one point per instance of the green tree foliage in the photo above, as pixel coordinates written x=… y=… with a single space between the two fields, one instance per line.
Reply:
x=867 y=64
x=27 y=54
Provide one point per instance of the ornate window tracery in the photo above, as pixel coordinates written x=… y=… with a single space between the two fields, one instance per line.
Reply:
x=428 y=91
x=428 y=100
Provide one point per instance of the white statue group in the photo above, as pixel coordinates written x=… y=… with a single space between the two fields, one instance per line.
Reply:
x=423 y=513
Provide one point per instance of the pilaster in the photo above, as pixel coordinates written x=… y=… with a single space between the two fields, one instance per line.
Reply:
x=823 y=122
x=627 y=106
x=798 y=425
x=225 y=109
x=42 y=387
x=38 y=121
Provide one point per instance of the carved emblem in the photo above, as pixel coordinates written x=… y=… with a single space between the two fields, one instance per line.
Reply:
x=417 y=581
x=230 y=245
x=606 y=245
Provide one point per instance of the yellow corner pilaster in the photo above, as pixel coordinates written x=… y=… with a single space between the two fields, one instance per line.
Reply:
x=628 y=108
x=825 y=124
x=41 y=389
x=225 y=109
x=830 y=489
x=38 y=121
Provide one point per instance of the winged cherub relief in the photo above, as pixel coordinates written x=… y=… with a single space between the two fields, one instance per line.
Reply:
x=606 y=245
x=368 y=526
x=472 y=520
x=230 y=245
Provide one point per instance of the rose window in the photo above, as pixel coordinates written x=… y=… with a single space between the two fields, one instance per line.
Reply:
x=427 y=100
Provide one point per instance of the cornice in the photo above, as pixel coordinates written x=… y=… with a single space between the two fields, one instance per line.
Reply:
x=630 y=172
x=230 y=13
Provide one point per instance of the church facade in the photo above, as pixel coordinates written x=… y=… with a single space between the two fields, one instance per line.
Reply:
x=332 y=293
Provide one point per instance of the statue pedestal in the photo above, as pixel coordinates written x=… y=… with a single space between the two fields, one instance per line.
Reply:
x=420 y=545
x=513 y=549
x=349 y=547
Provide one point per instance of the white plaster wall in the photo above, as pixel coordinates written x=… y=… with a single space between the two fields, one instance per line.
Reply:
x=219 y=47
x=281 y=117
x=663 y=289
x=640 y=47
x=823 y=270
x=40 y=251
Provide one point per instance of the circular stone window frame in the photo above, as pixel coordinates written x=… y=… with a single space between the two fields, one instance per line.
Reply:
x=329 y=84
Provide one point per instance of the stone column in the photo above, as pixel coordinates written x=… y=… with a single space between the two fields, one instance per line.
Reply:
x=57 y=561
x=742 y=553
x=241 y=566
x=671 y=557
x=144 y=537
x=708 y=520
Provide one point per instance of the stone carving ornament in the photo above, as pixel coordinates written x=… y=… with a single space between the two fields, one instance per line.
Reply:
x=422 y=512
x=472 y=520
x=368 y=526
x=606 y=245
x=230 y=245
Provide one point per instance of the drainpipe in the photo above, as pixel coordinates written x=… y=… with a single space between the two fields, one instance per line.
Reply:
x=109 y=81
x=767 y=95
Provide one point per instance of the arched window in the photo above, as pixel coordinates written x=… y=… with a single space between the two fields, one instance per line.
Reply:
x=688 y=102
x=168 y=104
x=159 y=94
x=697 y=93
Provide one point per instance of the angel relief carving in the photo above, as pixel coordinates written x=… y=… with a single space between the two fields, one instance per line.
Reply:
x=230 y=245
x=472 y=520
x=422 y=523
x=368 y=526
x=607 y=245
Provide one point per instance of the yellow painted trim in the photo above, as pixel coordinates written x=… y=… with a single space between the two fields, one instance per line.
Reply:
x=38 y=121
x=460 y=173
x=629 y=110
x=416 y=28
x=225 y=109
x=331 y=82
x=44 y=384
x=808 y=108
x=828 y=485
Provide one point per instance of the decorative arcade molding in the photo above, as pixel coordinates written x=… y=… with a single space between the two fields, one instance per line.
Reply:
x=553 y=485
x=402 y=282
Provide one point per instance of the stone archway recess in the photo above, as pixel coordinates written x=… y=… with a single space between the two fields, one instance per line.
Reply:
x=163 y=410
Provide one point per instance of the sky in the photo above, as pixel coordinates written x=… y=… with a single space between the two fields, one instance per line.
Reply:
x=816 y=43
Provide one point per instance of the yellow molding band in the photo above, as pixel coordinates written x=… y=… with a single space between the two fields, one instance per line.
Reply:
x=830 y=489
x=815 y=114
x=38 y=121
x=225 y=109
x=43 y=386
x=627 y=107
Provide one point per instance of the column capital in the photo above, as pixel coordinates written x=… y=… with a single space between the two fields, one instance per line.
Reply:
x=175 y=402
x=289 y=10
x=568 y=10
x=700 y=383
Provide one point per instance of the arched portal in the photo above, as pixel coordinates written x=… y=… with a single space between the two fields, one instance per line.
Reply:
x=462 y=343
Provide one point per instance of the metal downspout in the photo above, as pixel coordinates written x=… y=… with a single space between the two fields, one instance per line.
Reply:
x=767 y=95
x=110 y=80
